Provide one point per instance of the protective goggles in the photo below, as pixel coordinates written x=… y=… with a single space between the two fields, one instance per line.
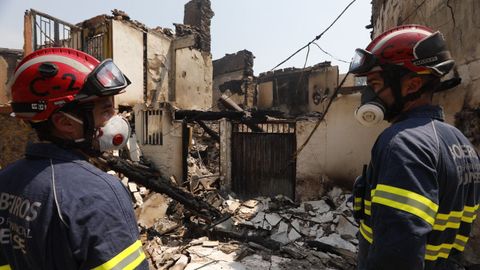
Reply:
x=363 y=61
x=105 y=80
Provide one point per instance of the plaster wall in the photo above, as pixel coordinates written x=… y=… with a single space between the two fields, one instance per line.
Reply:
x=127 y=51
x=193 y=79
x=167 y=157
x=159 y=67
x=336 y=151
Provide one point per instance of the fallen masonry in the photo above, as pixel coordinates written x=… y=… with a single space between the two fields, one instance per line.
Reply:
x=204 y=228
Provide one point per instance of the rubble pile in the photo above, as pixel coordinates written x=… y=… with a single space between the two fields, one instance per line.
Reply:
x=204 y=154
x=260 y=233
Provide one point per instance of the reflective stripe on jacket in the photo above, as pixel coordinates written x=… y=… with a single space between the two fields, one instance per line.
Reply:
x=422 y=192
x=61 y=212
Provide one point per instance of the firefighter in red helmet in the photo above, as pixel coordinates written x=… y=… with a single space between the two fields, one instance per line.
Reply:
x=418 y=198
x=57 y=211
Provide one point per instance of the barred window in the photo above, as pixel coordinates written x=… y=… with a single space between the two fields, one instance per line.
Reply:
x=152 y=127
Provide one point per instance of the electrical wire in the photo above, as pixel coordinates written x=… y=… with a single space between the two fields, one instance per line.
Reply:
x=306 y=46
x=316 y=38
x=321 y=117
x=327 y=53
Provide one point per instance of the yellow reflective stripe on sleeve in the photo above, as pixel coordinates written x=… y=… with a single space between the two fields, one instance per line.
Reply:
x=432 y=252
x=445 y=221
x=460 y=242
x=454 y=218
x=357 y=204
x=407 y=201
x=471 y=209
x=128 y=259
x=366 y=232
x=5 y=267
x=136 y=262
x=368 y=208
x=469 y=214
x=469 y=217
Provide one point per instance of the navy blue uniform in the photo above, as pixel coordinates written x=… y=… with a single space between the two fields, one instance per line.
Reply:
x=419 y=197
x=57 y=211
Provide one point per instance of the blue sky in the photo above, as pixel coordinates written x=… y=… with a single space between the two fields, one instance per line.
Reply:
x=271 y=29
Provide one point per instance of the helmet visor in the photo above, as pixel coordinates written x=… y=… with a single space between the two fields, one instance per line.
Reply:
x=105 y=80
x=362 y=62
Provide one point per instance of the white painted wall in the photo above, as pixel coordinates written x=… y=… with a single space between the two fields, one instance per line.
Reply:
x=127 y=51
x=193 y=79
x=167 y=157
x=159 y=66
x=338 y=148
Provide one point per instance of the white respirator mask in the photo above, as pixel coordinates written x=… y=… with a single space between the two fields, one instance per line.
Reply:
x=371 y=110
x=370 y=114
x=114 y=134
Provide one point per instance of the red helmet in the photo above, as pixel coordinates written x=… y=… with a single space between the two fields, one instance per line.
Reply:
x=414 y=47
x=47 y=79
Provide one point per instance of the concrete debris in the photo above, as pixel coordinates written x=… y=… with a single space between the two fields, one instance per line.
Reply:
x=273 y=219
x=153 y=208
x=260 y=233
x=138 y=198
x=132 y=186
x=335 y=240
x=210 y=243
x=120 y=15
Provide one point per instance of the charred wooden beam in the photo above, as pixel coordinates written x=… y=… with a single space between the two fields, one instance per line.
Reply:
x=155 y=182
x=193 y=115
x=250 y=236
x=228 y=103
x=214 y=135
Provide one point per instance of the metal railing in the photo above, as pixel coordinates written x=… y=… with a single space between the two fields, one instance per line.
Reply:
x=49 y=31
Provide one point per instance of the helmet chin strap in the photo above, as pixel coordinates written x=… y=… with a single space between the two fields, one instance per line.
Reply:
x=84 y=144
x=392 y=76
x=88 y=130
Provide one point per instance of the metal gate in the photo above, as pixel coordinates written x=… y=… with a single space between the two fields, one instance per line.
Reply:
x=262 y=162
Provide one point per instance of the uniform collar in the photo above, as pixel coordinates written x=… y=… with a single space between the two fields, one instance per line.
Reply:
x=424 y=111
x=50 y=150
